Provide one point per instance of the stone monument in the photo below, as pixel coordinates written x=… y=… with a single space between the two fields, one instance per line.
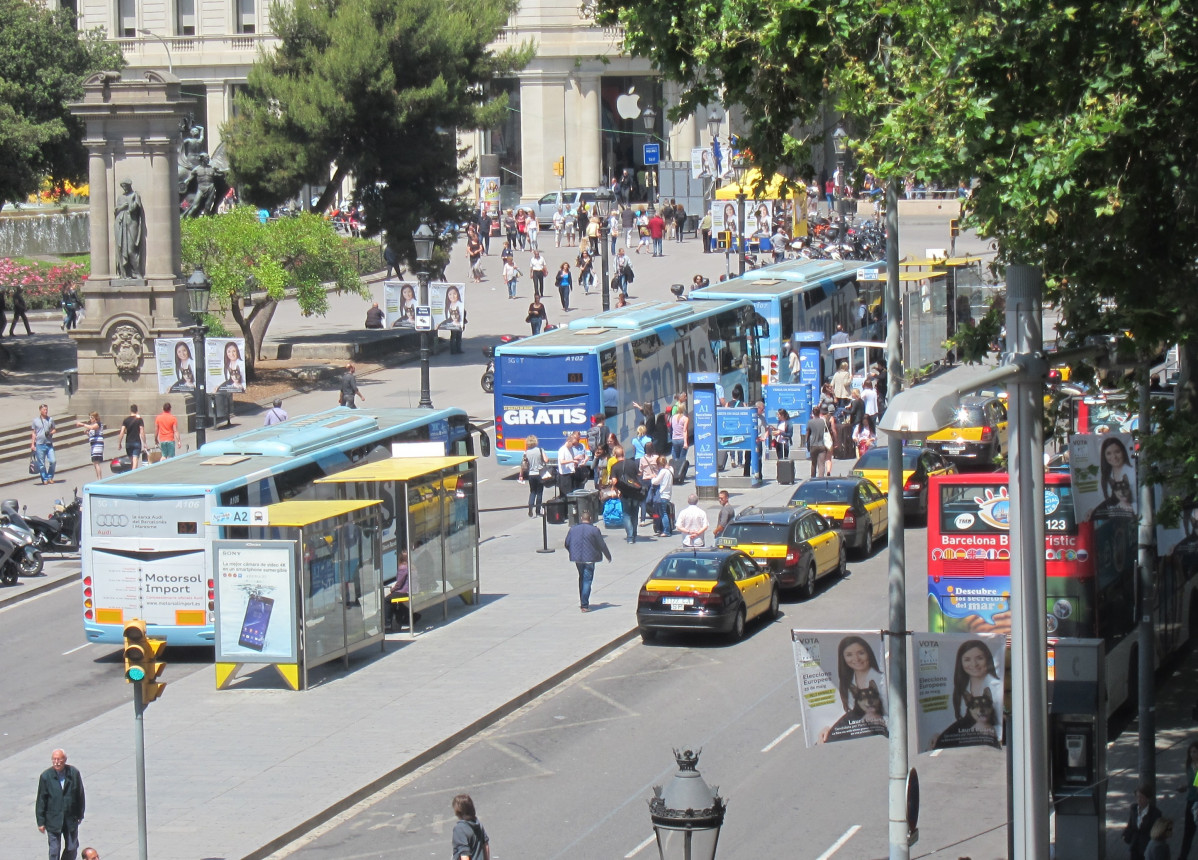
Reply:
x=135 y=293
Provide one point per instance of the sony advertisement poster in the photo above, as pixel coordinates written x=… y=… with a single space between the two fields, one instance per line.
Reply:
x=842 y=688
x=256 y=606
x=959 y=689
x=224 y=364
x=176 y=364
x=1103 y=475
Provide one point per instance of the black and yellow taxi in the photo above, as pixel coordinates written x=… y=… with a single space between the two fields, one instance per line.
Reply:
x=854 y=505
x=798 y=544
x=919 y=465
x=708 y=590
x=978 y=433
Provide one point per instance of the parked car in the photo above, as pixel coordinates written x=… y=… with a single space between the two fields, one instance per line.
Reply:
x=977 y=435
x=919 y=464
x=705 y=590
x=568 y=199
x=853 y=505
x=798 y=544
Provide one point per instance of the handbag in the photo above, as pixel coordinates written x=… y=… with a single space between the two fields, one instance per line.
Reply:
x=828 y=439
x=33 y=469
x=548 y=473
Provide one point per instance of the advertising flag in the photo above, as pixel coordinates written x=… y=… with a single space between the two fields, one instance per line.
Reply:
x=842 y=689
x=176 y=364
x=959 y=689
x=1103 y=476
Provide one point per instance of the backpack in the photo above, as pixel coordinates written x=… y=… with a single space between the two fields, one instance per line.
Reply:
x=628 y=483
x=613 y=514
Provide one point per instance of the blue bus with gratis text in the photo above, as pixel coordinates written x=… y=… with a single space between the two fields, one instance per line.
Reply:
x=555 y=383
x=147 y=538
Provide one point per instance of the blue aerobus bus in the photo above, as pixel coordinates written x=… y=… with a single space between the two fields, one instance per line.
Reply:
x=795 y=296
x=555 y=383
x=146 y=545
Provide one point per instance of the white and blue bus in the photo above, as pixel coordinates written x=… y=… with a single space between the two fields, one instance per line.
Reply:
x=556 y=382
x=796 y=296
x=146 y=549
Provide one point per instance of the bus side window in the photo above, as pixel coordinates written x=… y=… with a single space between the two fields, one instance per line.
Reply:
x=788 y=319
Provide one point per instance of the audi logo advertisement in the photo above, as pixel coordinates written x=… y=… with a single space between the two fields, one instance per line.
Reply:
x=135 y=518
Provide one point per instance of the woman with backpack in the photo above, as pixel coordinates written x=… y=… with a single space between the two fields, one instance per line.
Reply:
x=532 y=468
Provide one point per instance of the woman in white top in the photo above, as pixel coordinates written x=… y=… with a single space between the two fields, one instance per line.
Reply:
x=663 y=481
x=648 y=464
x=533 y=467
x=870 y=398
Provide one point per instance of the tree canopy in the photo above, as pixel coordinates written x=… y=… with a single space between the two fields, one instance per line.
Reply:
x=246 y=258
x=1074 y=120
x=43 y=62
x=377 y=89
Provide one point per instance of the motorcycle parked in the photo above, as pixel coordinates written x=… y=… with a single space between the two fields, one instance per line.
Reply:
x=28 y=556
x=59 y=533
x=10 y=568
x=488 y=380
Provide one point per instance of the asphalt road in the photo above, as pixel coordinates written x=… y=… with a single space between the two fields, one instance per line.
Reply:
x=569 y=775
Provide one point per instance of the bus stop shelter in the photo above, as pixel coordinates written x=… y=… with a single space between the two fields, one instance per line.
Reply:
x=429 y=522
x=303 y=588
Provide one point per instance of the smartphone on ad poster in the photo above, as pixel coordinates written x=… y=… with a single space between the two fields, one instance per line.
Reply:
x=257 y=617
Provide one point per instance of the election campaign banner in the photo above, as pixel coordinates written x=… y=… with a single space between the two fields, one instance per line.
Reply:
x=176 y=365
x=448 y=305
x=224 y=364
x=959 y=689
x=842 y=689
x=399 y=303
x=1103 y=476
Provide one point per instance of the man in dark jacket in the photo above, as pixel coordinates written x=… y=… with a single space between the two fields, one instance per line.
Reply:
x=586 y=546
x=59 y=806
x=349 y=388
x=1139 y=823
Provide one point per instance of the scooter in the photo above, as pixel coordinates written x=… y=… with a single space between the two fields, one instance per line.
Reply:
x=10 y=569
x=488 y=380
x=60 y=532
x=28 y=557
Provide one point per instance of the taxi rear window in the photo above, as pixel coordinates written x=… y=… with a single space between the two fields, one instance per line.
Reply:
x=818 y=492
x=757 y=532
x=969 y=416
x=877 y=458
x=695 y=569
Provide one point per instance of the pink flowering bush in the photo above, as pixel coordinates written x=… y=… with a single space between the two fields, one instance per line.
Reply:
x=43 y=282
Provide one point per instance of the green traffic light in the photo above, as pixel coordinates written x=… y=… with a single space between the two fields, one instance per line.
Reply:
x=135 y=673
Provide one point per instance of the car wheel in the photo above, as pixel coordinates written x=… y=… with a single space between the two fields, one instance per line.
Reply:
x=738 y=626
x=773 y=613
x=809 y=579
x=648 y=635
x=842 y=567
x=867 y=546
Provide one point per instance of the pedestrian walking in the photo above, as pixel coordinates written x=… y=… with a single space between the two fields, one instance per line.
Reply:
x=474 y=250
x=522 y=229
x=627 y=224
x=3 y=315
x=586 y=546
x=538 y=268
x=559 y=225
x=679 y=221
x=18 y=312
x=511 y=275
x=613 y=230
x=71 y=305
x=663 y=485
x=818 y=436
x=470 y=840
x=1190 y=788
x=1158 y=845
x=537 y=318
x=95 y=441
x=586 y=272
x=275 y=415
x=571 y=227
x=349 y=388
x=593 y=227
x=692 y=522
x=509 y=227
x=626 y=480
x=869 y=396
x=41 y=443
x=657 y=231
x=60 y=806
x=533 y=230
x=705 y=232
x=564 y=280
x=133 y=435
x=484 y=231
x=679 y=425
x=166 y=431
x=532 y=469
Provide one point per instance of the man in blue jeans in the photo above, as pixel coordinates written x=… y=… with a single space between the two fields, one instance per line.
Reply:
x=41 y=443
x=586 y=546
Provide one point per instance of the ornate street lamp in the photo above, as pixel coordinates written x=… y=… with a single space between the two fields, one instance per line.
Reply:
x=199 y=293
x=604 y=196
x=840 y=145
x=649 y=118
x=715 y=118
x=687 y=813
x=425 y=240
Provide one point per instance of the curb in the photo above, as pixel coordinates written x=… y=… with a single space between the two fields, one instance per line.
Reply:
x=40 y=588
x=439 y=749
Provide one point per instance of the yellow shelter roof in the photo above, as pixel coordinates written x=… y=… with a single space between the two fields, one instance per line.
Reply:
x=395 y=469
x=905 y=277
x=298 y=513
x=773 y=188
x=950 y=262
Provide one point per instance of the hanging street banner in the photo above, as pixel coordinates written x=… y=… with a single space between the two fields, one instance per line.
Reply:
x=1103 y=476
x=224 y=364
x=842 y=689
x=448 y=303
x=399 y=303
x=174 y=358
x=959 y=689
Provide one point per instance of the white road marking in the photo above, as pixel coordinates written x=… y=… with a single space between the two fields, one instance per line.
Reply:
x=781 y=738
x=73 y=650
x=638 y=849
x=839 y=843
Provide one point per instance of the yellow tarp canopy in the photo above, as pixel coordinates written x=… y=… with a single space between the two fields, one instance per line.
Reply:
x=395 y=469
x=298 y=513
x=950 y=262
x=905 y=277
x=773 y=189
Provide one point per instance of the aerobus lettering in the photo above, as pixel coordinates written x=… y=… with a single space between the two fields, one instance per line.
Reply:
x=535 y=415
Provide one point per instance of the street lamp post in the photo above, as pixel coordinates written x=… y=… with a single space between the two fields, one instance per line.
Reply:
x=424 y=239
x=687 y=813
x=199 y=292
x=840 y=145
x=170 y=64
x=604 y=196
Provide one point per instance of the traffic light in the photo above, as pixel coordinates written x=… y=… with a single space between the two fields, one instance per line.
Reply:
x=141 y=660
x=559 y=167
x=954 y=228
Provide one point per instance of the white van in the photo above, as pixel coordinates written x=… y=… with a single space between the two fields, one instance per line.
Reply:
x=567 y=199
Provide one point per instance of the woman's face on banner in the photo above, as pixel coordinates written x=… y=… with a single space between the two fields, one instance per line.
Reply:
x=452 y=295
x=232 y=354
x=856 y=657
x=182 y=351
x=407 y=293
x=974 y=663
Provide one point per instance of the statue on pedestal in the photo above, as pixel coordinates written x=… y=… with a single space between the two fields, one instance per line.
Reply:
x=129 y=229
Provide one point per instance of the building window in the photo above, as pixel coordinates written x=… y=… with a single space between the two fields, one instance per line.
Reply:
x=185 y=17
x=504 y=141
x=245 y=17
x=126 y=18
x=73 y=7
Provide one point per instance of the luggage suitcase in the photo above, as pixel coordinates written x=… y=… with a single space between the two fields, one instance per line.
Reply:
x=613 y=514
x=786 y=471
x=680 y=468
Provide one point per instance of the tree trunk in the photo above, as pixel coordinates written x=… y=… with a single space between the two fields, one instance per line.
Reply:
x=330 y=191
x=247 y=331
x=260 y=321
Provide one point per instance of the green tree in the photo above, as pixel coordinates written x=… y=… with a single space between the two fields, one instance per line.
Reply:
x=43 y=62
x=375 y=88
x=263 y=262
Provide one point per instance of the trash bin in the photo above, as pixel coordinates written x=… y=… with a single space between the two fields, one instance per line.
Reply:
x=221 y=404
x=557 y=511
x=584 y=500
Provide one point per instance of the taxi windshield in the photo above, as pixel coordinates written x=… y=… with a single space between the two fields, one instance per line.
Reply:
x=825 y=492
x=756 y=532
x=693 y=568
